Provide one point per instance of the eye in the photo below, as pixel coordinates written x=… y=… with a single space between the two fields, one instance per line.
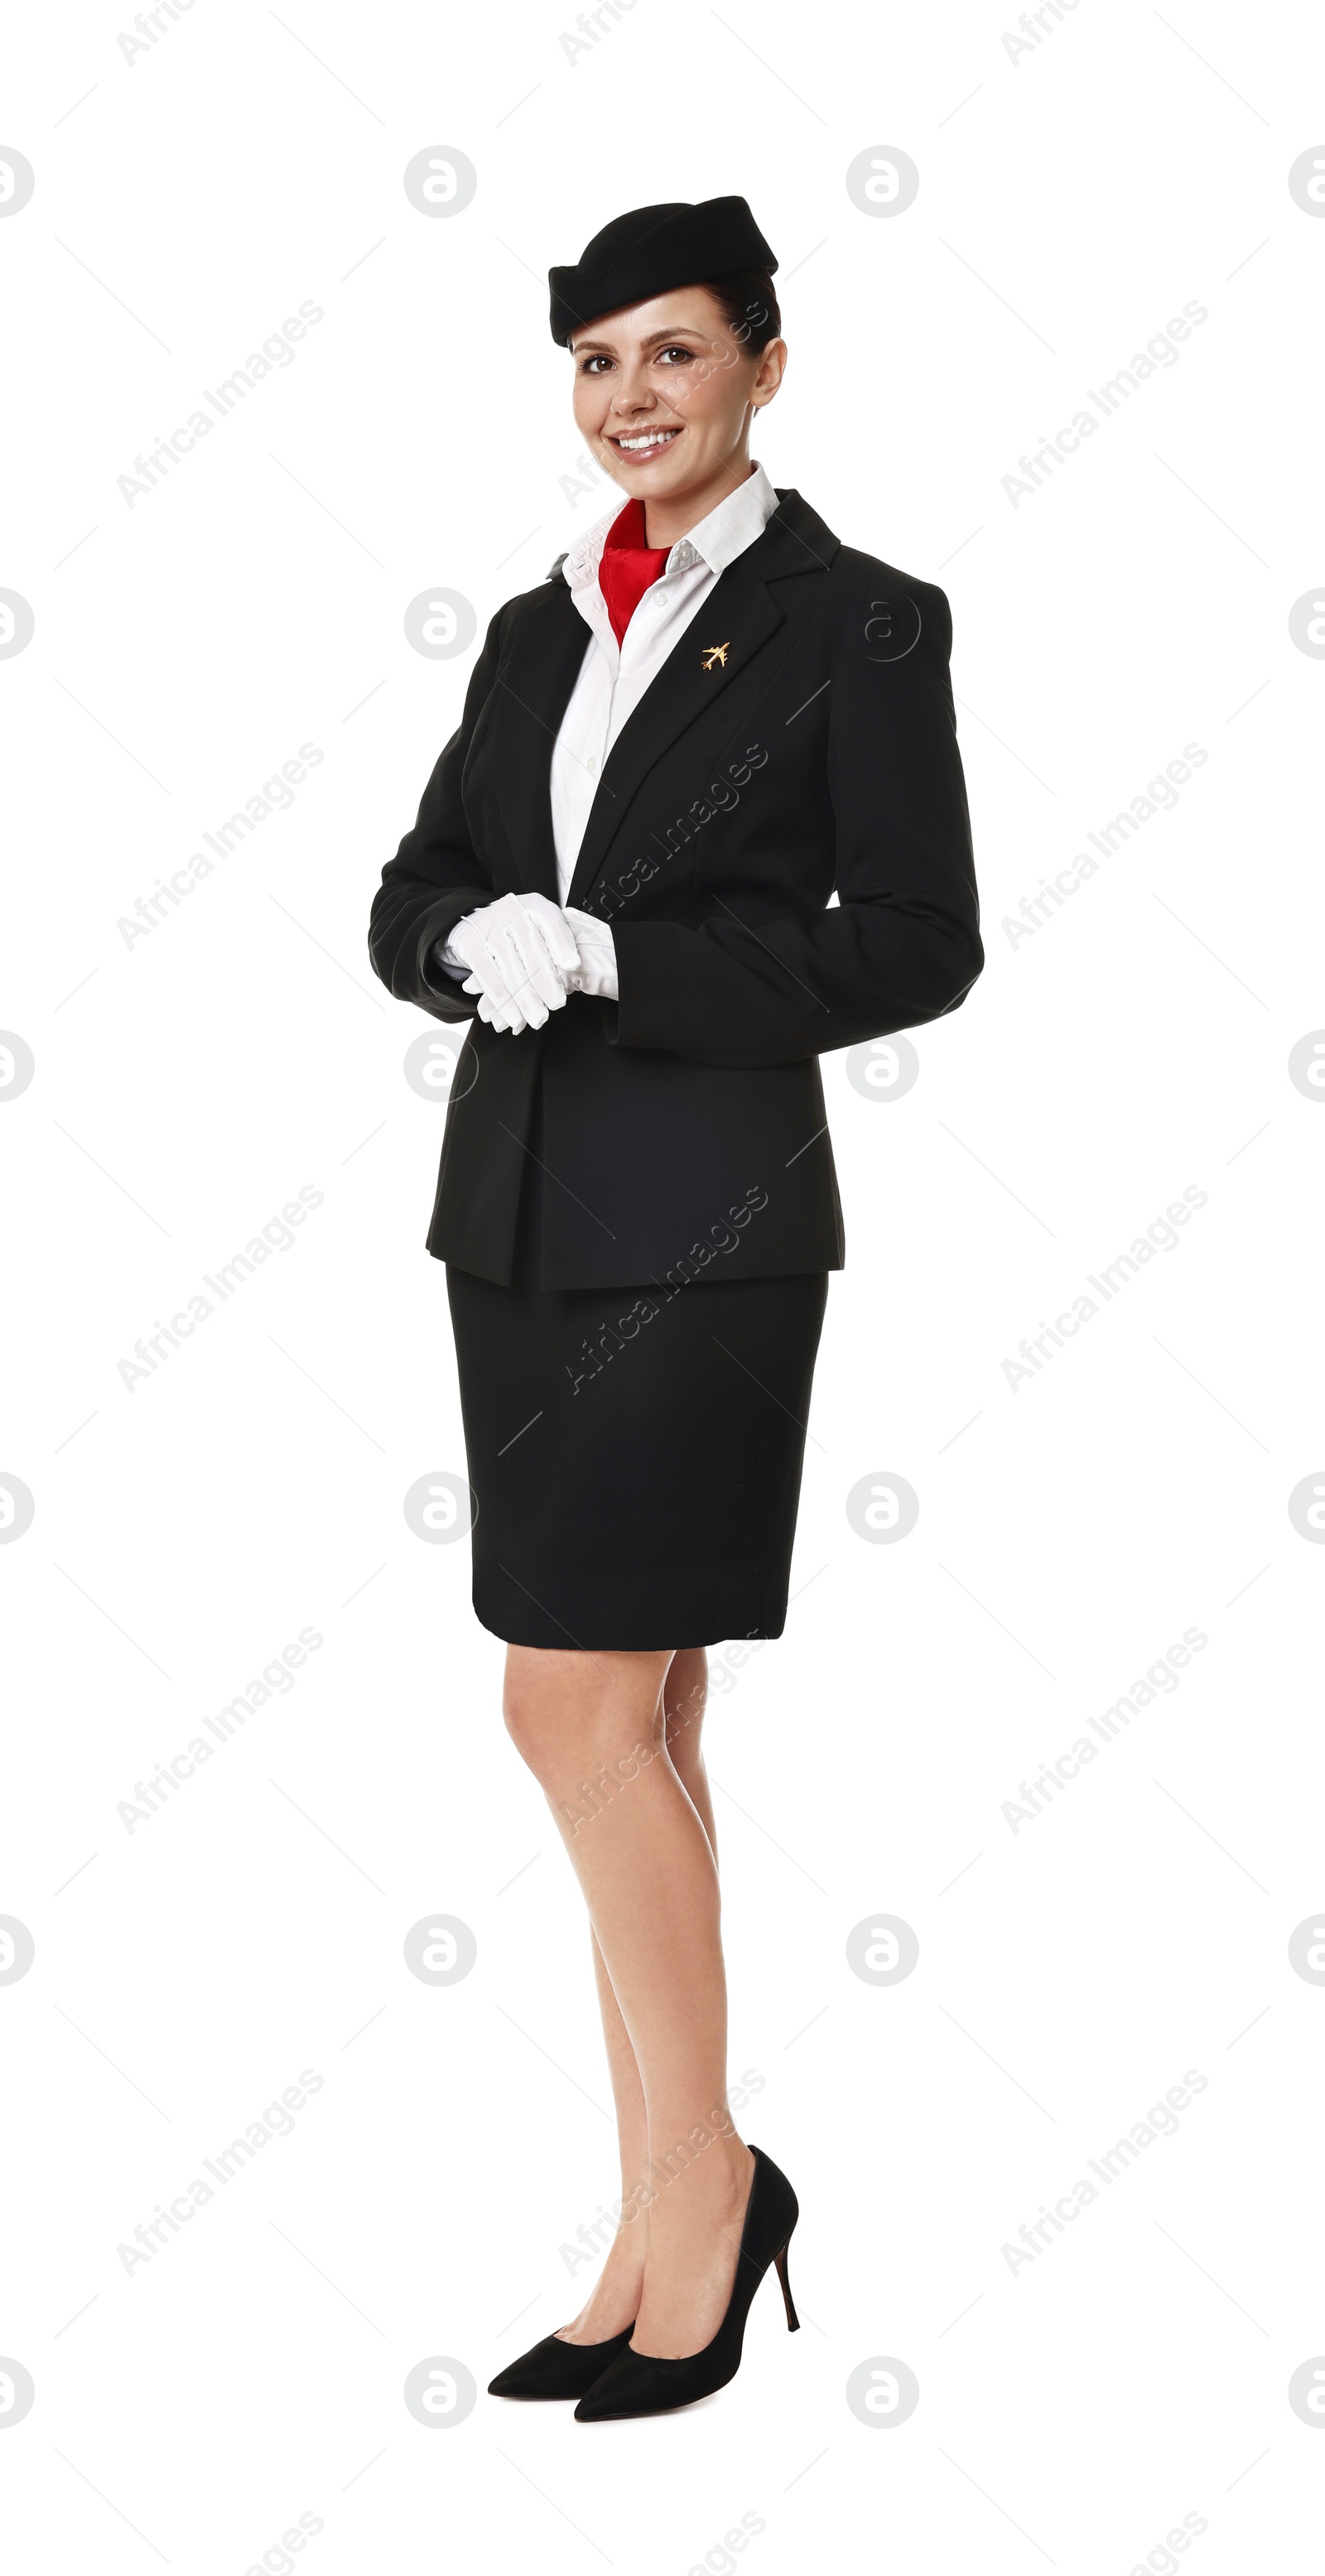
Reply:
x=676 y=351
x=589 y=366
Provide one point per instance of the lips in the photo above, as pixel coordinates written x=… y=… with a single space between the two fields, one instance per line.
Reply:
x=644 y=443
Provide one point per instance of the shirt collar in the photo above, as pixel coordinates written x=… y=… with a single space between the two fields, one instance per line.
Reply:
x=716 y=541
x=729 y=529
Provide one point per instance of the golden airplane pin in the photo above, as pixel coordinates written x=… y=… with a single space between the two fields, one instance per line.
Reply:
x=716 y=653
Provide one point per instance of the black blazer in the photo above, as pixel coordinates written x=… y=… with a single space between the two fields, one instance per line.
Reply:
x=798 y=742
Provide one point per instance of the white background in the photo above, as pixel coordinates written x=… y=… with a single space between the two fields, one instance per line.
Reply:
x=1070 y=1972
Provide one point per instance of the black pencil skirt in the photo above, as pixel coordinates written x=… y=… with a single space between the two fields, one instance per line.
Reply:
x=634 y=1454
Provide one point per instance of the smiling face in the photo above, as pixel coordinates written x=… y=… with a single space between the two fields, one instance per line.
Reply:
x=664 y=396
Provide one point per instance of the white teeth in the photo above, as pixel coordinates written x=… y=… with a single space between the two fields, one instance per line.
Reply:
x=654 y=438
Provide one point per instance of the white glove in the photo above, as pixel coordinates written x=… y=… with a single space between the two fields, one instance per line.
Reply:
x=520 y=954
x=596 y=972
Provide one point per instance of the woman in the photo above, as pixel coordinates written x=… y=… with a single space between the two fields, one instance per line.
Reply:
x=709 y=721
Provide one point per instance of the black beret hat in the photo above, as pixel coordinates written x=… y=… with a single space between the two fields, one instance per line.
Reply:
x=652 y=250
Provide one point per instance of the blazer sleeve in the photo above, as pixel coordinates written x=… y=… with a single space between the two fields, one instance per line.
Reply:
x=902 y=943
x=436 y=876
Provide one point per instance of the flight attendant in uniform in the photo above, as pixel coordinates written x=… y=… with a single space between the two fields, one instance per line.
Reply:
x=703 y=821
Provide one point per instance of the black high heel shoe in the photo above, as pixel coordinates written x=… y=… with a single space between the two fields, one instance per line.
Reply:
x=642 y=2383
x=555 y=2368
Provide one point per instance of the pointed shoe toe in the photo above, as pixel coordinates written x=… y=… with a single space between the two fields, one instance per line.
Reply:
x=641 y=2383
x=557 y=2369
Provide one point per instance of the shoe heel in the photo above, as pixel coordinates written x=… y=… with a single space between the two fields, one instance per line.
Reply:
x=780 y=2266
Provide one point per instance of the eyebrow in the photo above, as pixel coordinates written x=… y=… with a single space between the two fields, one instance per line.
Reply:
x=651 y=339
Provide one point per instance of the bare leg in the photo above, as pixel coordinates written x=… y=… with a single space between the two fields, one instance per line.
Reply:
x=646 y=1866
x=613 y=2303
x=685 y=1697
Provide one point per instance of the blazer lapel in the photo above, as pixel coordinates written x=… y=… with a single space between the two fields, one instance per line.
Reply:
x=536 y=681
x=739 y=615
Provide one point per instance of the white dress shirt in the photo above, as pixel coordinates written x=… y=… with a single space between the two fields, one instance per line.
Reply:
x=613 y=678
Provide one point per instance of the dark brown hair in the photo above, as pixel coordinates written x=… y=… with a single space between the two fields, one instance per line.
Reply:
x=749 y=306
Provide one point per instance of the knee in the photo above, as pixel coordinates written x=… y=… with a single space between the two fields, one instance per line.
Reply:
x=566 y=1711
x=535 y=1705
x=685 y=1701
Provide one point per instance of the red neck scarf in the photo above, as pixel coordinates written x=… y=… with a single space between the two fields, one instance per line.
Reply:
x=628 y=566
